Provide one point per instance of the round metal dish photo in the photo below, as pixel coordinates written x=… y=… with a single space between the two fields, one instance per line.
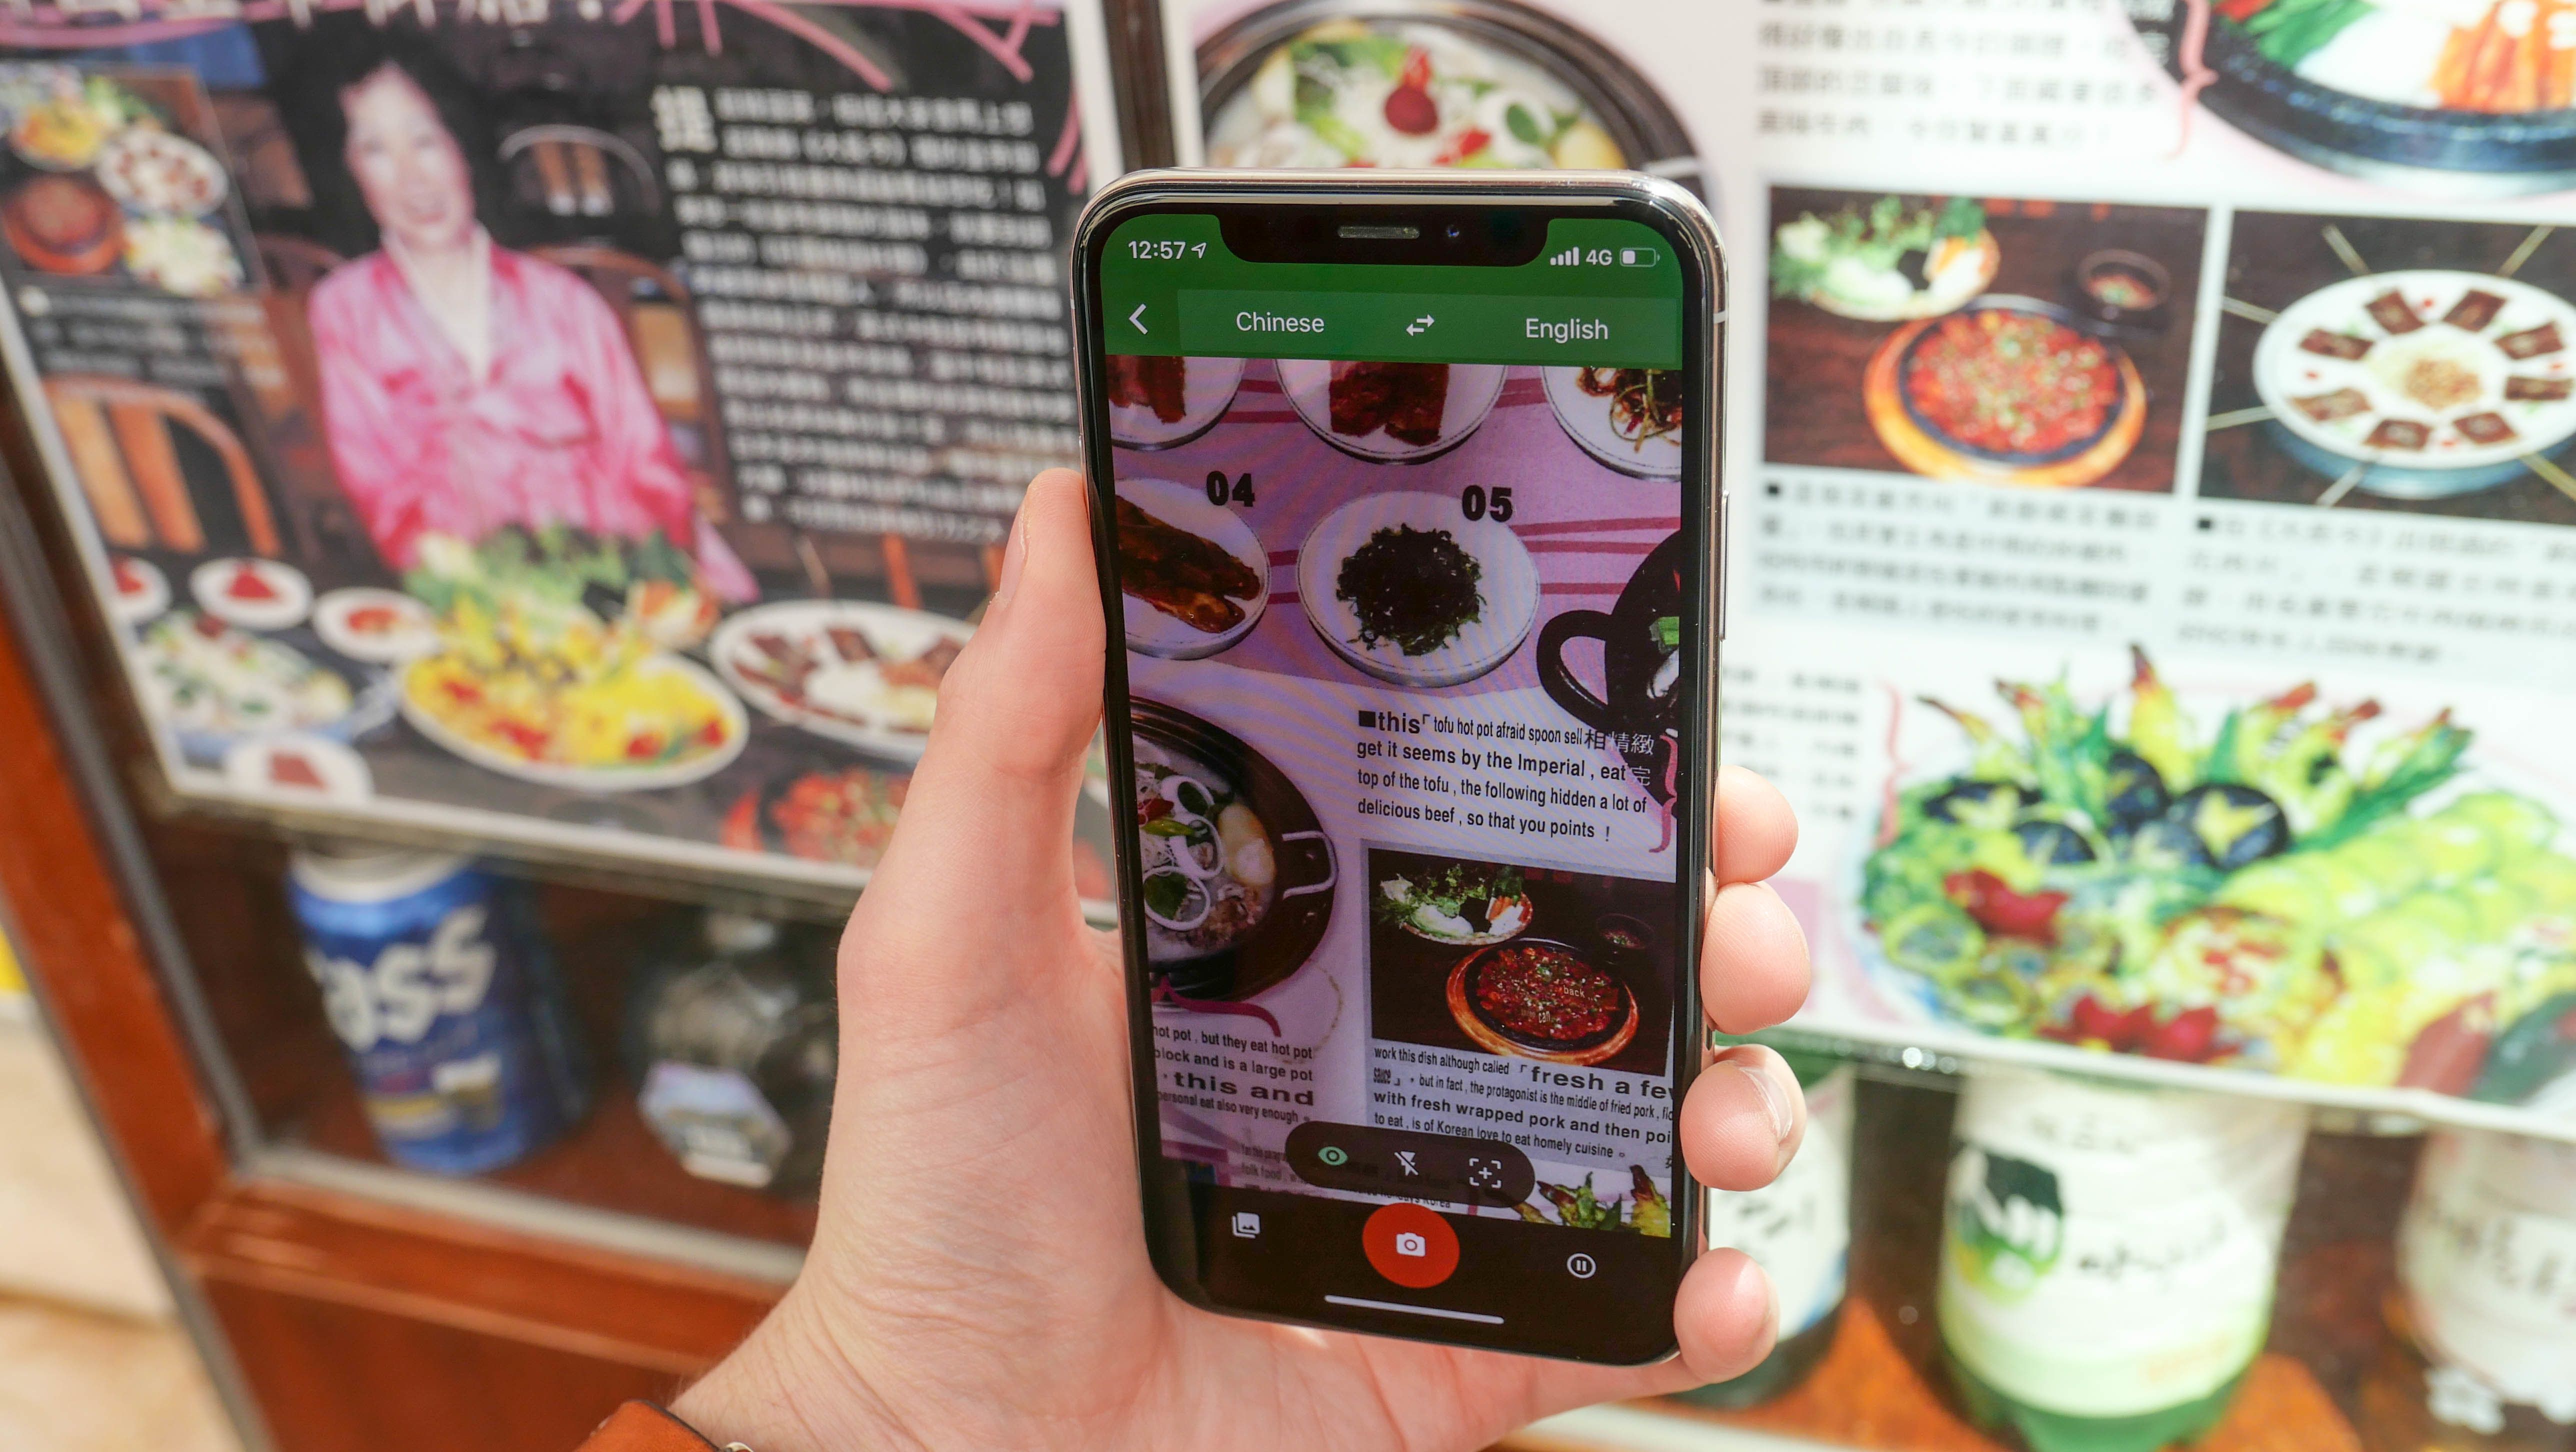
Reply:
x=1330 y=83
x=1237 y=876
x=2010 y=341
x=2429 y=96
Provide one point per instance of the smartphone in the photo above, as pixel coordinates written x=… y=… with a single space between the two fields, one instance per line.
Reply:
x=1405 y=496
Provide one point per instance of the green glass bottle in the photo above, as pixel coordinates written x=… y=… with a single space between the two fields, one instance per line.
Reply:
x=2108 y=1255
x=1798 y=1230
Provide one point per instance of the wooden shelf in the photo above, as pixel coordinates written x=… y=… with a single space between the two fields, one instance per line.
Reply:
x=610 y=1161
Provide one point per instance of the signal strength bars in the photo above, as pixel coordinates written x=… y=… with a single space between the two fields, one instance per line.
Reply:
x=1567 y=258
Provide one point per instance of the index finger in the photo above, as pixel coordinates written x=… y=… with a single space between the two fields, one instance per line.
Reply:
x=1755 y=831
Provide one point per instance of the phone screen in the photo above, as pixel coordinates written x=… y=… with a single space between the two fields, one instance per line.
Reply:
x=1409 y=584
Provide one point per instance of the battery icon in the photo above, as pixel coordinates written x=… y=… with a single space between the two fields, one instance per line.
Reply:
x=1637 y=256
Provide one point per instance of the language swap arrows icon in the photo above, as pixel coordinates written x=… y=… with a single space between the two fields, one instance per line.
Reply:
x=1415 y=328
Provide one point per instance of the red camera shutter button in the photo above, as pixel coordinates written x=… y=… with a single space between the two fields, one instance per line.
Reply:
x=1410 y=1245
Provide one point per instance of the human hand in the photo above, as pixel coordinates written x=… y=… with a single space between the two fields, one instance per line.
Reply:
x=979 y=1276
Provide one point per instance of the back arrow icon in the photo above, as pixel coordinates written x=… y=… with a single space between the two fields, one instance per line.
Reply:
x=1138 y=318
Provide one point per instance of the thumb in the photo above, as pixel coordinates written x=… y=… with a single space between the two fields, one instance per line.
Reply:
x=986 y=833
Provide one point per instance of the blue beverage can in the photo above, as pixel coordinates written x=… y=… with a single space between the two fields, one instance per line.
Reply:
x=441 y=990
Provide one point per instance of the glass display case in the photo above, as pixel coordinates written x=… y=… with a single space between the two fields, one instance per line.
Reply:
x=2193 y=1053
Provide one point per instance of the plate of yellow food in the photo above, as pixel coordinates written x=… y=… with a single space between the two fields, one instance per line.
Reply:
x=60 y=120
x=551 y=694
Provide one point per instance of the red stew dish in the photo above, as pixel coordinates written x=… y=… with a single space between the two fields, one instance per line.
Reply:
x=1545 y=995
x=2011 y=386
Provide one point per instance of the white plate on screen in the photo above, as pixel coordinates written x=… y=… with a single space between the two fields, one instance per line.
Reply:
x=1587 y=418
x=1471 y=391
x=1157 y=633
x=1507 y=588
x=1207 y=389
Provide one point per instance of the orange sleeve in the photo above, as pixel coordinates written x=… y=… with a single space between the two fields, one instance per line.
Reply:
x=644 y=1427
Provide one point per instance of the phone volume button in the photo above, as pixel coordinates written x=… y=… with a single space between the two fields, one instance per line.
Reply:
x=1725 y=536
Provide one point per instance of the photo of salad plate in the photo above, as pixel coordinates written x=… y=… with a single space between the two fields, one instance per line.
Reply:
x=548 y=672
x=1156 y=403
x=1895 y=262
x=2283 y=885
x=1333 y=83
x=1628 y=418
x=644 y=722
x=215 y=685
x=1406 y=588
x=2426 y=383
x=1465 y=904
x=1391 y=413
x=1196 y=579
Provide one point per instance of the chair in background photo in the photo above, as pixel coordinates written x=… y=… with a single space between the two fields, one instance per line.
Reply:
x=122 y=438
x=580 y=171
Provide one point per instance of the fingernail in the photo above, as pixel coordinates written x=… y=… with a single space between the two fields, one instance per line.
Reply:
x=1015 y=553
x=1775 y=1102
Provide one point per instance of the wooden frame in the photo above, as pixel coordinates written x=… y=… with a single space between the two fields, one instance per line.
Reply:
x=338 y=1320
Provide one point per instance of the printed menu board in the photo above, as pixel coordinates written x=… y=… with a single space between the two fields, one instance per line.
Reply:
x=2154 y=560
x=582 y=426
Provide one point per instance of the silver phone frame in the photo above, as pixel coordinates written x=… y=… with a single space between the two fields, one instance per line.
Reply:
x=1689 y=223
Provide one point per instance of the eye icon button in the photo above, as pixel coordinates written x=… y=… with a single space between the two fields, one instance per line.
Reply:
x=1334 y=1155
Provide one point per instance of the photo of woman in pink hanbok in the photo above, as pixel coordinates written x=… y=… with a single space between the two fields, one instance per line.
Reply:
x=467 y=386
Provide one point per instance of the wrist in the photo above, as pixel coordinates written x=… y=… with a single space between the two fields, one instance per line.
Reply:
x=787 y=1389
